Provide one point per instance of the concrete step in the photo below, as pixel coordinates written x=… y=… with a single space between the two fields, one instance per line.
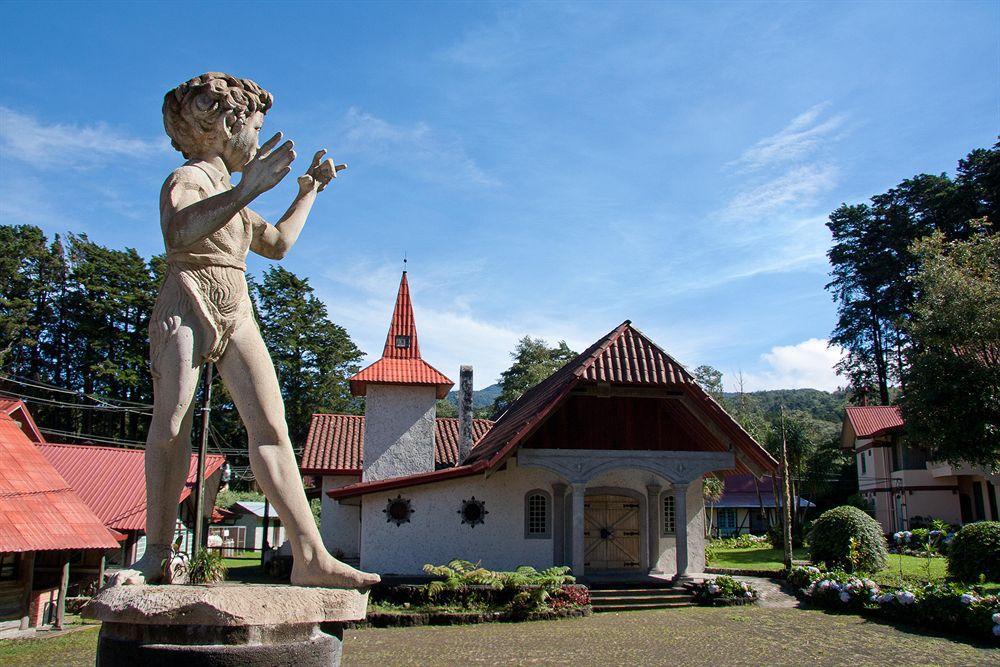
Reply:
x=647 y=599
x=643 y=606
x=637 y=592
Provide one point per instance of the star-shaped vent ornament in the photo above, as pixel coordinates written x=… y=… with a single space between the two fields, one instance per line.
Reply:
x=398 y=510
x=473 y=511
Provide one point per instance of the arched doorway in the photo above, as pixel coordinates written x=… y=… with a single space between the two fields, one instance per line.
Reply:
x=612 y=532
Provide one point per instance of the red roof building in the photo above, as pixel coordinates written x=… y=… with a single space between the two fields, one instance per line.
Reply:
x=112 y=480
x=870 y=421
x=39 y=509
x=401 y=363
x=18 y=411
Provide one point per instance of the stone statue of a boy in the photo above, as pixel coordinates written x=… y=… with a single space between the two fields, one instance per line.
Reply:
x=203 y=312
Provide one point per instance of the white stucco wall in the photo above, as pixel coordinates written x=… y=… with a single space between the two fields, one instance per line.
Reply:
x=436 y=534
x=399 y=431
x=340 y=524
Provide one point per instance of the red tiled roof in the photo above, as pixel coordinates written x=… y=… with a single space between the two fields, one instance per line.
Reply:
x=39 y=511
x=869 y=421
x=335 y=443
x=401 y=364
x=18 y=411
x=112 y=480
x=625 y=356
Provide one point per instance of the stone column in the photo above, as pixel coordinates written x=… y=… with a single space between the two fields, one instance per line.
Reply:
x=681 y=528
x=558 y=523
x=653 y=525
x=579 y=491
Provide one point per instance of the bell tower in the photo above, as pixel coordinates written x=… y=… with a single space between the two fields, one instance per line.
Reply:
x=400 y=390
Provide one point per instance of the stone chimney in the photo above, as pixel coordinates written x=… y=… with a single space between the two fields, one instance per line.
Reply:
x=464 y=413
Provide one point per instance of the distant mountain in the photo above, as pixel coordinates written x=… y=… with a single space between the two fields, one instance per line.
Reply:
x=822 y=405
x=482 y=398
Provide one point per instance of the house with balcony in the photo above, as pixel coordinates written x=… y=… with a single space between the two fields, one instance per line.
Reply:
x=903 y=487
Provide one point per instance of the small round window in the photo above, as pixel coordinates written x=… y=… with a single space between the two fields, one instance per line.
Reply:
x=473 y=511
x=398 y=510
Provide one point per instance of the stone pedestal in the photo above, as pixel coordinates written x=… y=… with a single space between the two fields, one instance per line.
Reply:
x=223 y=625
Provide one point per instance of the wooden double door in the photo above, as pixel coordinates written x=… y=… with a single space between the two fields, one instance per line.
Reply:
x=611 y=534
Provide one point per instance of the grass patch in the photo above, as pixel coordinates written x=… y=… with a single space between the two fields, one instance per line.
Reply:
x=245 y=568
x=754 y=558
x=76 y=649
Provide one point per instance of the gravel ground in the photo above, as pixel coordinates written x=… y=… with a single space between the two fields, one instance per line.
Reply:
x=689 y=636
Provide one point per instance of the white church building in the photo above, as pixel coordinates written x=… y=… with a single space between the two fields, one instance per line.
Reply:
x=598 y=467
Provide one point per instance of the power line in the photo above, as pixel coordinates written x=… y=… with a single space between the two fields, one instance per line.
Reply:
x=76 y=406
x=38 y=384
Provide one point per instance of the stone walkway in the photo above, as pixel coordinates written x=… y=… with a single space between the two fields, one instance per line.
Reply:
x=771 y=593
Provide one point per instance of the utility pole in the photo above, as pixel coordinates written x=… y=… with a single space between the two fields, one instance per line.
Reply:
x=786 y=495
x=200 y=539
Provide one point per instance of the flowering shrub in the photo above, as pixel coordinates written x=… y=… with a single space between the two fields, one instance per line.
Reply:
x=941 y=606
x=724 y=590
x=921 y=542
x=569 y=596
x=746 y=541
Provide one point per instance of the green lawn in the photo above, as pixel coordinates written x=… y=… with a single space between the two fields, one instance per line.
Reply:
x=754 y=558
x=245 y=567
x=687 y=636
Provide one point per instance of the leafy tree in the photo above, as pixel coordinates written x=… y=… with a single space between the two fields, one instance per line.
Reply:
x=312 y=355
x=710 y=380
x=951 y=402
x=444 y=408
x=872 y=261
x=534 y=361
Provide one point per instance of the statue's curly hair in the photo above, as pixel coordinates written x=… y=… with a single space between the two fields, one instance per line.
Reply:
x=191 y=110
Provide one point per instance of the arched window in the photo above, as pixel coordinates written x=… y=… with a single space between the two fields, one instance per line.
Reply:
x=669 y=514
x=537 y=515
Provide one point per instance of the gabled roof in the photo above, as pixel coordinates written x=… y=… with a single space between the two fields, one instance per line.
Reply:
x=256 y=508
x=623 y=357
x=18 y=411
x=401 y=362
x=869 y=421
x=112 y=480
x=39 y=511
x=748 y=491
x=335 y=444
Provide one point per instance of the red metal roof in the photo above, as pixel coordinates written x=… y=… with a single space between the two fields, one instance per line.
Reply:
x=869 y=421
x=112 y=480
x=335 y=443
x=39 y=511
x=401 y=363
x=625 y=356
x=18 y=411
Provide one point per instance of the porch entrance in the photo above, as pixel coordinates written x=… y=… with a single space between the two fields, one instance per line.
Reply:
x=611 y=533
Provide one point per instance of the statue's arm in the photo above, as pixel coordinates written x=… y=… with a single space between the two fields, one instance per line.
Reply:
x=192 y=217
x=274 y=241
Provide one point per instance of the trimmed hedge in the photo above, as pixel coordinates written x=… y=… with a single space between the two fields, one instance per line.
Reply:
x=848 y=538
x=974 y=551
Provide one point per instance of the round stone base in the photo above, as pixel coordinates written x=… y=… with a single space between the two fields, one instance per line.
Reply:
x=305 y=645
x=223 y=625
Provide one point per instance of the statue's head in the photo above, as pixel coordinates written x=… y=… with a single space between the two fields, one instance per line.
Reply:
x=216 y=114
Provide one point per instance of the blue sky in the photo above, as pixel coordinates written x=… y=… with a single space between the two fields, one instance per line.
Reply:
x=548 y=169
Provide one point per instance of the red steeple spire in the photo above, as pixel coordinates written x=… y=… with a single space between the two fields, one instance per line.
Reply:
x=401 y=343
x=401 y=363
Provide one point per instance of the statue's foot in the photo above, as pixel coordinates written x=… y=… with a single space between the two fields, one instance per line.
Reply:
x=326 y=571
x=150 y=569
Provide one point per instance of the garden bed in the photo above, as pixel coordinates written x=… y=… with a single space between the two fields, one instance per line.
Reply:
x=416 y=617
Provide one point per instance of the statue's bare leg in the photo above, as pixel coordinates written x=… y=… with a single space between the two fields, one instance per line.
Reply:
x=168 y=446
x=249 y=375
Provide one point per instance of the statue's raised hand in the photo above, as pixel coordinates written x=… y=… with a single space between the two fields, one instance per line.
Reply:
x=320 y=173
x=267 y=167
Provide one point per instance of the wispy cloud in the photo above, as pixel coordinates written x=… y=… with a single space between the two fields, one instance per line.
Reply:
x=806 y=365
x=800 y=138
x=67 y=146
x=793 y=190
x=417 y=148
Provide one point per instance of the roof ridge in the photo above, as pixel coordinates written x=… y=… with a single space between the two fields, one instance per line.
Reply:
x=607 y=339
